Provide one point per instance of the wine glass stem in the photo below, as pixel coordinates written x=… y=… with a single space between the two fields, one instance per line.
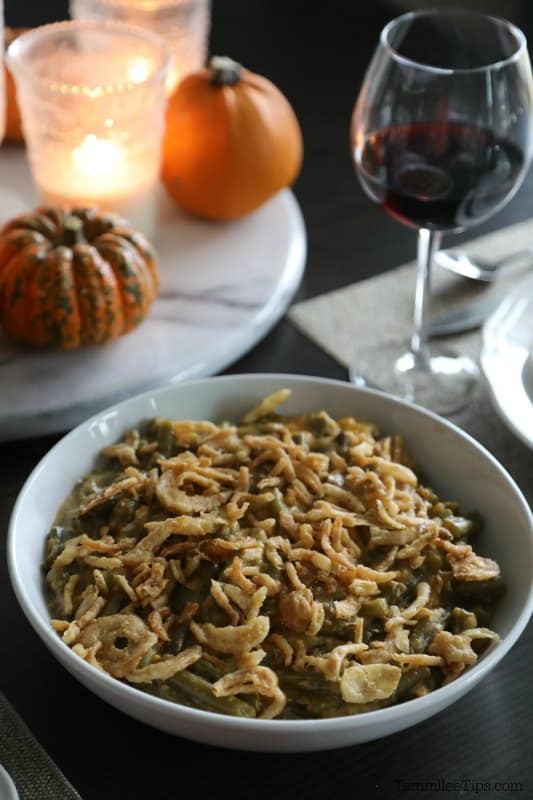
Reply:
x=428 y=243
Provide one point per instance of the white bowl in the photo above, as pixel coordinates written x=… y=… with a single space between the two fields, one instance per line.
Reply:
x=457 y=466
x=8 y=790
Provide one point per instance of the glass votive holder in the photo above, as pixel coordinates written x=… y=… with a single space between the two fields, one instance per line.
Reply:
x=92 y=124
x=2 y=79
x=184 y=24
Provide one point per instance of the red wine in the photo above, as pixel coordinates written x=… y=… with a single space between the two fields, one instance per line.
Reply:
x=438 y=175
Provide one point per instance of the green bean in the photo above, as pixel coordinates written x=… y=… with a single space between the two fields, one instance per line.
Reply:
x=423 y=633
x=162 y=430
x=322 y=643
x=205 y=669
x=135 y=528
x=319 y=704
x=183 y=594
x=97 y=480
x=55 y=579
x=334 y=627
x=480 y=645
x=52 y=548
x=113 y=604
x=437 y=509
x=373 y=629
x=409 y=681
x=376 y=607
x=147 y=658
x=307 y=683
x=433 y=562
x=198 y=691
x=177 y=638
x=483 y=615
x=482 y=591
x=463 y=620
x=393 y=591
x=277 y=505
x=123 y=512
x=210 y=611
x=461 y=527
x=320 y=423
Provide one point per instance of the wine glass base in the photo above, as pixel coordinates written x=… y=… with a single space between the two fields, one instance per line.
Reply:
x=436 y=379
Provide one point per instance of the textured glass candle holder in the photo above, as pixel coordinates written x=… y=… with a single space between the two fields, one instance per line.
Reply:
x=2 y=79
x=184 y=24
x=92 y=123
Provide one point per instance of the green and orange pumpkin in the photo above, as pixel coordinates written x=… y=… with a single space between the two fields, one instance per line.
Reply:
x=70 y=278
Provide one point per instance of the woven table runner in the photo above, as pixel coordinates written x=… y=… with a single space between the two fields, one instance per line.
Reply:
x=350 y=323
x=33 y=772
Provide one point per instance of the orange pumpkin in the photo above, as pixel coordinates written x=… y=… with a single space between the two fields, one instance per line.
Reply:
x=13 y=124
x=72 y=278
x=232 y=141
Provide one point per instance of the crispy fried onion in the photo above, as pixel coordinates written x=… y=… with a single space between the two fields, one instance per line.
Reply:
x=364 y=683
x=468 y=566
x=126 y=485
x=232 y=639
x=304 y=545
x=456 y=649
x=124 y=640
x=259 y=680
x=177 y=501
x=162 y=670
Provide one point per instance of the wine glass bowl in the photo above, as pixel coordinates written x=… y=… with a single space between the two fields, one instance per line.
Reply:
x=443 y=176
x=441 y=140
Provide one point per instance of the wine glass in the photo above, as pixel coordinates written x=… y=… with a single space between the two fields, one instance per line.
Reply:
x=441 y=139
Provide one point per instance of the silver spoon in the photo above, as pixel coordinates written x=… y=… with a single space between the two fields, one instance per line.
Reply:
x=480 y=269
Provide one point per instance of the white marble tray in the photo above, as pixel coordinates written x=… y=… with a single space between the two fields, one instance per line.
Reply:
x=223 y=286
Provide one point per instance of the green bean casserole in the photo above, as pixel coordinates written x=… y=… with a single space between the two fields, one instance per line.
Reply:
x=283 y=567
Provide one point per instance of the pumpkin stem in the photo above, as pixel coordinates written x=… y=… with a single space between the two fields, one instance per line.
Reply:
x=72 y=231
x=224 y=71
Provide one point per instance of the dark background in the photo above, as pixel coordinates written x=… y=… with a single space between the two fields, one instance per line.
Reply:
x=316 y=52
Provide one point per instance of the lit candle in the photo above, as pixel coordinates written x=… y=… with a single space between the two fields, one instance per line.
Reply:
x=139 y=70
x=184 y=24
x=98 y=173
x=92 y=141
x=99 y=163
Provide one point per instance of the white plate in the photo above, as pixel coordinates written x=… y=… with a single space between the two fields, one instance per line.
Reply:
x=7 y=787
x=223 y=286
x=507 y=359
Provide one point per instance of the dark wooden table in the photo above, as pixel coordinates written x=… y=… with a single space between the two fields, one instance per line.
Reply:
x=316 y=53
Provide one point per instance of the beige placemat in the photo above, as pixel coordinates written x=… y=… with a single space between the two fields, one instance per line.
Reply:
x=32 y=770
x=350 y=322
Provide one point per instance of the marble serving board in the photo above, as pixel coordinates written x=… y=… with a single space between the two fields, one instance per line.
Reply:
x=223 y=286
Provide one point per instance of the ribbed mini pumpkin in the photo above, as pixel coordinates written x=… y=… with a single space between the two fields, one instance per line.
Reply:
x=73 y=278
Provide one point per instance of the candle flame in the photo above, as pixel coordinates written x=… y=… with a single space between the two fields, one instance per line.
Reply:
x=140 y=70
x=98 y=162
